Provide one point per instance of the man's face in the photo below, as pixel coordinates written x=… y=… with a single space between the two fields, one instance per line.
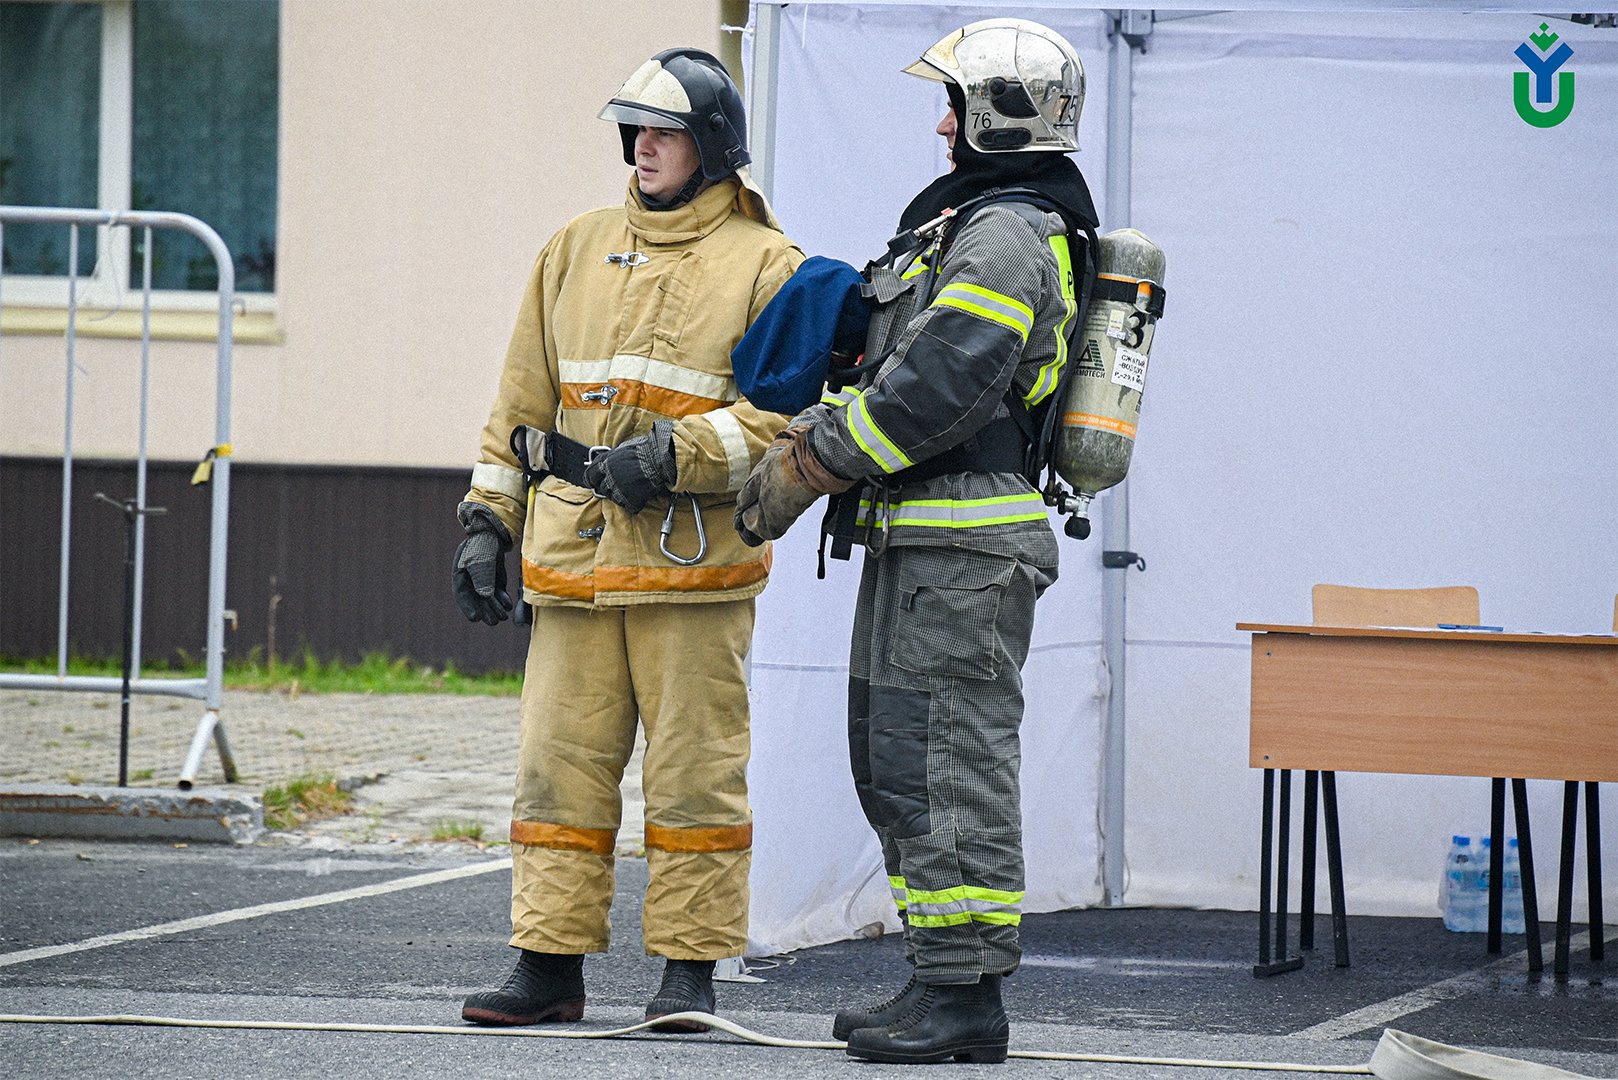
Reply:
x=947 y=127
x=665 y=158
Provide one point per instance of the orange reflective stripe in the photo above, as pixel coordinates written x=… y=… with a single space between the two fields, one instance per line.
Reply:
x=548 y=834
x=700 y=840
x=560 y=583
x=642 y=395
x=565 y=585
x=678 y=578
x=1100 y=423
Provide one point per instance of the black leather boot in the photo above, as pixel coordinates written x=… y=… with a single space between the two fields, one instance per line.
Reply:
x=964 y=1021
x=687 y=987
x=545 y=986
x=890 y=1011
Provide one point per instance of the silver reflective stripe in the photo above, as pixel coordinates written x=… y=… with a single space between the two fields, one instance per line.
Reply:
x=643 y=369
x=498 y=478
x=738 y=460
x=961 y=513
x=838 y=398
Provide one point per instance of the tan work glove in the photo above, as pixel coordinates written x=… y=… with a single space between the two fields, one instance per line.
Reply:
x=785 y=483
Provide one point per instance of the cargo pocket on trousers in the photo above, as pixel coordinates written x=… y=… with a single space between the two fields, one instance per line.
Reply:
x=949 y=600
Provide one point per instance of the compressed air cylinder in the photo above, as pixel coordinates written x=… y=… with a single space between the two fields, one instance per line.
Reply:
x=1101 y=409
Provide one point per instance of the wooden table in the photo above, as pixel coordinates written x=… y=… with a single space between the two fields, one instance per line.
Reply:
x=1433 y=702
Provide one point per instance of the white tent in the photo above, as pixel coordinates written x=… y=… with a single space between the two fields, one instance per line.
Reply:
x=1390 y=358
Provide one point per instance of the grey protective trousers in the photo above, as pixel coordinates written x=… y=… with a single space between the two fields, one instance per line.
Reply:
x=935 y=703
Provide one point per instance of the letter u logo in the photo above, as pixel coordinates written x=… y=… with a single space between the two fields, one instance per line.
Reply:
x=1522 y=95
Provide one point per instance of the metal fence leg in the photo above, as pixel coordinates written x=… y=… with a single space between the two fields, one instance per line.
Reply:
x=207 y=728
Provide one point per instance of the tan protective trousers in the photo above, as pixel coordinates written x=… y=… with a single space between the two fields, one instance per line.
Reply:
x=589 y=672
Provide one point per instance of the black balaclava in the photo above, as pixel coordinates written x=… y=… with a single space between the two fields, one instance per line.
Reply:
x=687 y=192
x=1052 y=174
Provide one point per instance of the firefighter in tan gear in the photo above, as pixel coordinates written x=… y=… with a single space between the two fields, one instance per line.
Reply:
x=932 y=446
x=611 y=459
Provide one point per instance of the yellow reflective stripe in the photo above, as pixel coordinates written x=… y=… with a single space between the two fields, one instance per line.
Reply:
x=998 y=918
x=963 y=892
x=919 y=265
x=872 y=439
x=1045 y=382
x=988 y=304
x=839 y=398
x=896 y=886
x=961 y=513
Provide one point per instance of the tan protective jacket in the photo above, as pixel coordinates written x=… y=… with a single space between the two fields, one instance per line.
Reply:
x=604 y=347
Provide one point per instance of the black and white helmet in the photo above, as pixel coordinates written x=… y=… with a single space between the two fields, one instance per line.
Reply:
x=1022 y=83
x=689 y=89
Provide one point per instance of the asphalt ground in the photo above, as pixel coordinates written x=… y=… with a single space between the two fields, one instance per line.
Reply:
x=1135 y=982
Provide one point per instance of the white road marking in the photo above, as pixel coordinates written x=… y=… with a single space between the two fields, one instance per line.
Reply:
x=201 y=922
x=1423 y=997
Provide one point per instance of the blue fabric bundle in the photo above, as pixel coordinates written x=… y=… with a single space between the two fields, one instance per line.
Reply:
x=782 y=360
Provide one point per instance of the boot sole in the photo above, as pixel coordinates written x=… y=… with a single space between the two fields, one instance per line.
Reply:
x=563 y=1012
x=677 y=1027
x=975 y=1053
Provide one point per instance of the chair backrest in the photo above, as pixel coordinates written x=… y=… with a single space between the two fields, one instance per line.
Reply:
x=1348 y=605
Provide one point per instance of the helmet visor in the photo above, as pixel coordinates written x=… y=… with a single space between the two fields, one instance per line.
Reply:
x=640 y=116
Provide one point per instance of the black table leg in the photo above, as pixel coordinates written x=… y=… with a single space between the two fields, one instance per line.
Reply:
x=1592 y=868
x=1530 y=885
x=1564 y=880
x=1283 y=875
x=1334 y=868
x=1306 y=891
x=1266 y=965
x=1497 y=859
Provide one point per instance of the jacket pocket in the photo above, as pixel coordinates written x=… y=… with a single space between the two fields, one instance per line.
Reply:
x=677 y=291
x=949 y=603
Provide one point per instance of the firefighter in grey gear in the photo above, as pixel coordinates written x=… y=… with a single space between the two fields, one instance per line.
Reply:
x=933 y=445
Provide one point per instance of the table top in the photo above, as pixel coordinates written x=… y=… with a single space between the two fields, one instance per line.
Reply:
x=1430 y=634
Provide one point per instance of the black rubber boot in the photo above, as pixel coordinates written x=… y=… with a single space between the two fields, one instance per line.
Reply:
x=545 y=986
x=687 y=987
x=890 y=1011
x=964 y=1021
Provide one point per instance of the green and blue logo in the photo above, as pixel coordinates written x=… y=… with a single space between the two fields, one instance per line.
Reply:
x=1541 y=100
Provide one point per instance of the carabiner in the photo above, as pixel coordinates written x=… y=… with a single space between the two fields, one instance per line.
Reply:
x=668 y=529
x=878 y=491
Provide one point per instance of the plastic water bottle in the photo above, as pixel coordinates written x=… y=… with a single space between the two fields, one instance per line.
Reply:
x=1511 y=918
x=1485 y=861
x=1465 y=906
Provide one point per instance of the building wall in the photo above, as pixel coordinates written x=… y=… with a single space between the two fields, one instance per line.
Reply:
x=427 y=152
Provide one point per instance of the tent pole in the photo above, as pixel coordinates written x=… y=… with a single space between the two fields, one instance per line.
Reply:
x=761 y=90
x=1129 y=29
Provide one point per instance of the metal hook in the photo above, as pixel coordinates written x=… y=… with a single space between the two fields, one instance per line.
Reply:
x=878 y=491
x=668 y=528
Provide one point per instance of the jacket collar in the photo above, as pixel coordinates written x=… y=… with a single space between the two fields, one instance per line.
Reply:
x=696 y=219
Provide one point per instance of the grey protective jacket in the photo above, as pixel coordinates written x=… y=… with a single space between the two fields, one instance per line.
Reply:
x=993 y=316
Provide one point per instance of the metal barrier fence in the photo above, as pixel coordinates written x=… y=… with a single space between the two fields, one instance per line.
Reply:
x=208 y=689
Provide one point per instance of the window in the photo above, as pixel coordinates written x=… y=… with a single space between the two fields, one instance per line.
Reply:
x=145 y=105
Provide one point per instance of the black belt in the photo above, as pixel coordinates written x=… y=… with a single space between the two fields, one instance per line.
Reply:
x=564 y=457
x=999 y=446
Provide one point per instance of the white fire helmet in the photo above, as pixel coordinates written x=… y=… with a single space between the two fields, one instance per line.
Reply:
x=1023 y=85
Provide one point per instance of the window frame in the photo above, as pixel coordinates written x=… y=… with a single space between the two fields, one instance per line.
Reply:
x=113 y=280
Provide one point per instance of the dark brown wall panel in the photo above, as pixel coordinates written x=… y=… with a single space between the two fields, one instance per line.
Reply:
x=359 y=558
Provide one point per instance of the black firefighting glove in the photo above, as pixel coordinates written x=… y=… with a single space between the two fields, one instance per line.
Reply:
x=635 y=472
x=479 y=578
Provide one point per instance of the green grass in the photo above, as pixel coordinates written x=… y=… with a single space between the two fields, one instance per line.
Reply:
x=306 y=798
x=458 y=830
x=375 y=673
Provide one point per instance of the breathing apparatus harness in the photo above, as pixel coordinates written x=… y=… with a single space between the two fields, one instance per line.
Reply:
x=1019 y=442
